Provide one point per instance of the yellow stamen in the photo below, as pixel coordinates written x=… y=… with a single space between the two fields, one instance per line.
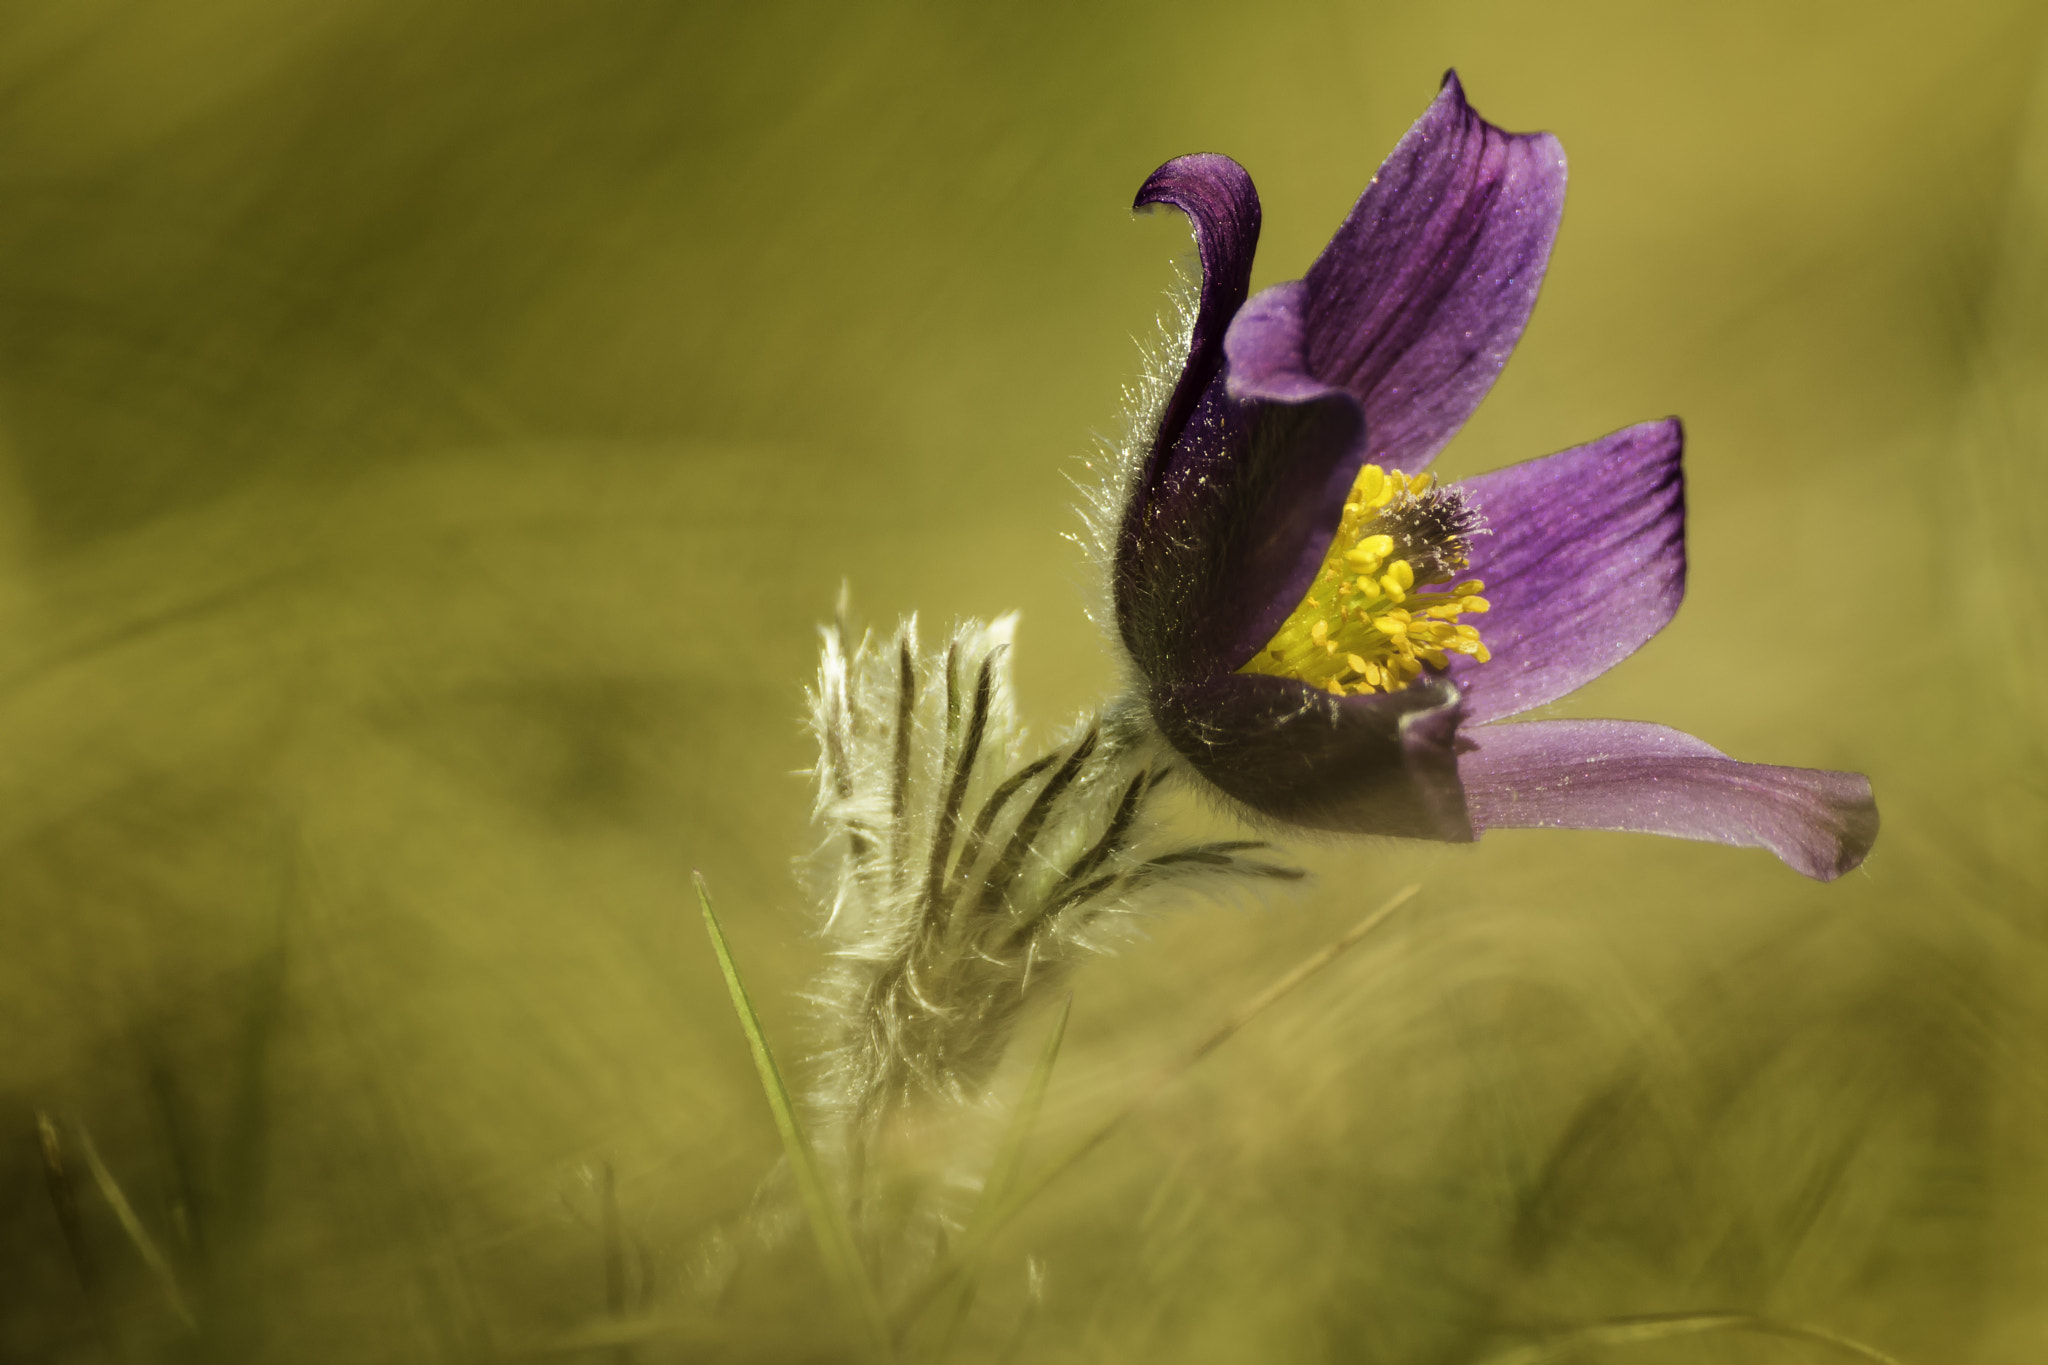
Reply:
x=1369 y=622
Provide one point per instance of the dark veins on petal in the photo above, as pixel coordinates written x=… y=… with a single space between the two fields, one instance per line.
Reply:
x=1421 y=295
x=1586 y=561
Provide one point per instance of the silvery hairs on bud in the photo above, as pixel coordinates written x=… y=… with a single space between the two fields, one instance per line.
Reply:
x=960 y=875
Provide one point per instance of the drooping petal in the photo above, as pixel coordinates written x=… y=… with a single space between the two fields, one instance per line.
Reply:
x=1584 y=560
x=1384 y=764
x=1417 y=301
x=1624 y=775
x=1217 y=196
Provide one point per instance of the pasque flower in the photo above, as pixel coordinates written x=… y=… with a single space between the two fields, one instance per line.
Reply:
x=1330 y=638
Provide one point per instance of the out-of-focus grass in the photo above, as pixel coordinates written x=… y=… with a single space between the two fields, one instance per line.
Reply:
x=430 y=434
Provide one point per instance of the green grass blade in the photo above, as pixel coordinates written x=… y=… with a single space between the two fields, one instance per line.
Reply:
x=827 y=1217
x=117 y=1200
x=1002 y=1174
x=1571 y=1344
x=63 y=1192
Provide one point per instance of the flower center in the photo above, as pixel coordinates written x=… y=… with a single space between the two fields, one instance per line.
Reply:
x=1368 y=624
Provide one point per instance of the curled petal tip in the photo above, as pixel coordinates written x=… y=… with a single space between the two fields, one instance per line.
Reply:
x=1221 y=203
x=1197 y=181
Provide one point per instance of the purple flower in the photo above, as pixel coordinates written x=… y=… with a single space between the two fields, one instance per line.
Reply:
x=1330 y=638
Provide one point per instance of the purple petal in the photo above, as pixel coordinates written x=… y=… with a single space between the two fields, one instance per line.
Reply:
x=1212 y=561
x=1217 y=196
x=1264 y=347
x=1384 y=764
x=1264 y=372
x=1417 y=301
x=1584 y=561
x=1214 y=523
x=1615 y=774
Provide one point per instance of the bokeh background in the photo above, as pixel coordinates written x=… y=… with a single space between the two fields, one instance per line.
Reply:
x=429 y=435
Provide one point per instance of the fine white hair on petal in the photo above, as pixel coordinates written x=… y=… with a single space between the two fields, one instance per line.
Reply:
x=1104 y=482
x=959 y=873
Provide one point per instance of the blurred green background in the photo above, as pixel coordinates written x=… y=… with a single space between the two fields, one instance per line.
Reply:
x=429 y=434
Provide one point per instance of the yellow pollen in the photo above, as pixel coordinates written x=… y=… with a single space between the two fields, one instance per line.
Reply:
x=1368 y=623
